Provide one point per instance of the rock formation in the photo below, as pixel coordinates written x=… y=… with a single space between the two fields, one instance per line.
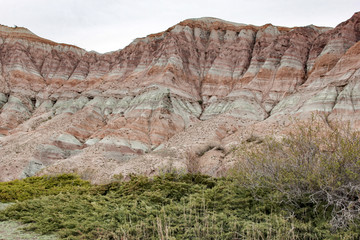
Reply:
x=147 y=107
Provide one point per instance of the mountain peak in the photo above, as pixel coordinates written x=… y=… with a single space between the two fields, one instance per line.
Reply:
x=212 y=20
x=15 y=30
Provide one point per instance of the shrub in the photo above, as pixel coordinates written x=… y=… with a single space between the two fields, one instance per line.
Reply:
x=313 y=162
x=33 y=187
x=173 y=206
x=169 y=206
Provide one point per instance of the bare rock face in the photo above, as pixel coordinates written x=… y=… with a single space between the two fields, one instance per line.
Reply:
x=168 y=98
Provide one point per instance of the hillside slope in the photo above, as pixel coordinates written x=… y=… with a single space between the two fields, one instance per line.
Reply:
x=201 y=84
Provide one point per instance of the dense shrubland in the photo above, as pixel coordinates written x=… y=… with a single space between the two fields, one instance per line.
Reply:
x=303 y=186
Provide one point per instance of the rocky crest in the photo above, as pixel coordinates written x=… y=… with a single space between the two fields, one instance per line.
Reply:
x=198 y=86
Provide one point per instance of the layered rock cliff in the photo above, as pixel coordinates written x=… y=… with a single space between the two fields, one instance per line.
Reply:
x=146 y=107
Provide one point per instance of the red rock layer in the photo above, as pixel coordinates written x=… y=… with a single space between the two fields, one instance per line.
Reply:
x=59 y=102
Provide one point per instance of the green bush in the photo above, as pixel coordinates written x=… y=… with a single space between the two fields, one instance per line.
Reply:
x=173 y=206
x=33 y=187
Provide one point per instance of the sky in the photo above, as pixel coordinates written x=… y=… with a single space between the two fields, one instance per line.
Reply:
x=109 y=25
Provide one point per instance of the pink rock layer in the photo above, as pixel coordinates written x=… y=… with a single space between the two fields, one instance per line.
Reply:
x=63 y=109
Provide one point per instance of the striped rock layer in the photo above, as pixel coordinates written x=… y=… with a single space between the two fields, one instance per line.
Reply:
x=63 y=108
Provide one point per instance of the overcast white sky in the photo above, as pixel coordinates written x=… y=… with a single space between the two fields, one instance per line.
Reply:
x=108 y=25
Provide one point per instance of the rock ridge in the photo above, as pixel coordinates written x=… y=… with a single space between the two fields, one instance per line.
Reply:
x=63 y=109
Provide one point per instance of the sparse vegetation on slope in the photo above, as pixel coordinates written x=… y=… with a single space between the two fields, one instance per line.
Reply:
x=304 y=186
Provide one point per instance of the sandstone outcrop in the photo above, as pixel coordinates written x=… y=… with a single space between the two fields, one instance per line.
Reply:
x=146 y=107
